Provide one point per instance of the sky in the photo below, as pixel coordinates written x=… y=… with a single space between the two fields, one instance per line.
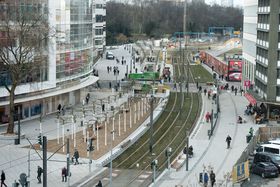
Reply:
x=235 y=2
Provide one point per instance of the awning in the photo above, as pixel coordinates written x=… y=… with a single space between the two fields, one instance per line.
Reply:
x=250 y=98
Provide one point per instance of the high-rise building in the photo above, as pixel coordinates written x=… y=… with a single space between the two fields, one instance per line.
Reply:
x=267 y=76
x=249 y=41
x=80 y=36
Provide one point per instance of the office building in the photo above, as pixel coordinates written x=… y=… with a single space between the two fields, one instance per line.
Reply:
x=72 y=54
x=249 y=41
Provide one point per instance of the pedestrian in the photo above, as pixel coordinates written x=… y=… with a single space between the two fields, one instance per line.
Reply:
x=108 y=69
x=241 y=91
x=76 y=156
x=228 y=140
x=212 y=178
x=136 y=70
x=207 y=117
x=64 y=174
x=232 y=88
x=3 y=178
x=103 y=107
x=209 y=94
x=99 y=184
x=59 y=108
x=63 y=110
x=110 y=85
x=197 y=84
x=205 y=91
x=87 y=98
x=118 y=71
x=175 y=86
x=200 y=88
x=39 y=173
x=235 y=90
x=205 y=179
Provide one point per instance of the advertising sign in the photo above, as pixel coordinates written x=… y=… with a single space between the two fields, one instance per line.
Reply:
x=234 y=76
x=235 y=66
x=240 y=172
x=247 y=83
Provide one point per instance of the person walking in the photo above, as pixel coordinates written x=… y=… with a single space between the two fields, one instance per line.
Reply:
x=76 y=156
x=87 y=98
x=59 y=108
x=39 y=173
x=205 y=91
x=64 y=174
x=3 y=178
x=99 y=184
x=110 y=85
x=212 y=178
x=235 y=90
x=228 y=140
x=205 y=179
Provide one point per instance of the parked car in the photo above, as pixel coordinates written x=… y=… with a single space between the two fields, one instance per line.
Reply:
x=110 y=56
x=267 y=157
x=265 y=169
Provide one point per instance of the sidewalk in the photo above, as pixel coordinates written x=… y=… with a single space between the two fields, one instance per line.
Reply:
x=14 y=158
x=212 y=154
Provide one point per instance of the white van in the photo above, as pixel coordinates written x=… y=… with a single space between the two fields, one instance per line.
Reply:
x=276 y=142
x=110 y=55
x=269 y=148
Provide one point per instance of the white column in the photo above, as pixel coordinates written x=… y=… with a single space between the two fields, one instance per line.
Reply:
x=113 y=127
x=142 y=107
x=139 y=110
x=105 y=132
x=72 y=127
x=41 y=130
x=119 y=124
x=135 y=113
x=58 y=126
x=63 y=148
x=130 y=125
x=124 y=123
x=97 y=140
x=74 y=134
x=87 y=142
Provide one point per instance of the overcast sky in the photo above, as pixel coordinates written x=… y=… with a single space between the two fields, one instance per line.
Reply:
x=236 y=2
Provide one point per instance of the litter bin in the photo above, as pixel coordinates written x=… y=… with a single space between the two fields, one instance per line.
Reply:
x=248 y=138
x=16 y=141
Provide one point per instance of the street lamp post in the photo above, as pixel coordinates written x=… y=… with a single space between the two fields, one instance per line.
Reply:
x=154 y=166
x=168 y=154
x=187 y=153
x=111 y=158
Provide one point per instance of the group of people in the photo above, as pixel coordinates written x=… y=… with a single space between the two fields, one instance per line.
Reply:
x=115 y=70
x=206 y=178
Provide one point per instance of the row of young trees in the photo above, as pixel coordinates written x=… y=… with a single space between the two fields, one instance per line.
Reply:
x=157 y=18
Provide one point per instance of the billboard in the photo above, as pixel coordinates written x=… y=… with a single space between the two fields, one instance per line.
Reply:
x=240 y=172
x=234 y=70
x=235 y=66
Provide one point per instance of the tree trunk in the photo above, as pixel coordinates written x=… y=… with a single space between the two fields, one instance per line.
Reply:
x=10 y=129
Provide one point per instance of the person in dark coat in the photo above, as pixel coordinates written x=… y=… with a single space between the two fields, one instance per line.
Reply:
x=64 y=174
x=59 y=107
x=228 y=140
x=3 y=178
x=76 y=156
x=235 y=91
x=212 y=178
x=99 y=184
x=39 y=173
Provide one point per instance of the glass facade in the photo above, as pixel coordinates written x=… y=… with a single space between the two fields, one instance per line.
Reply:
x=74 y=38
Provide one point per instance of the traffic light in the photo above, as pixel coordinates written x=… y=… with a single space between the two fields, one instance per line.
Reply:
x=40 y=139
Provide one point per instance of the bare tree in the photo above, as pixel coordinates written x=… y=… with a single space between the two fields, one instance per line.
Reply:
x=23 y=47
